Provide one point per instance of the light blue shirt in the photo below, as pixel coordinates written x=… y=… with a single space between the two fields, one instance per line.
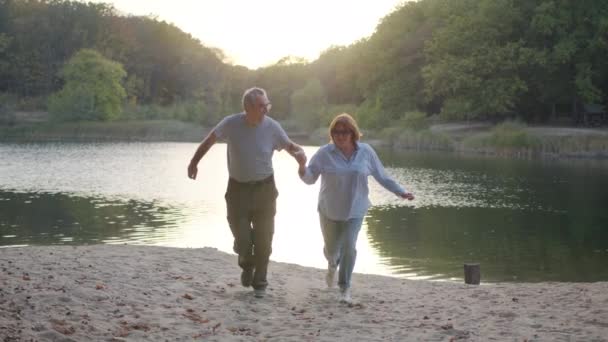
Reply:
x=250 y=148
x=344 y=188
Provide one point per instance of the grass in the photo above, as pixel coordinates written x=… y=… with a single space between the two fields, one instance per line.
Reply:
x=513 y=139
x=575 y=146
x=150 y=130
x=510 y=139
x=416 y=140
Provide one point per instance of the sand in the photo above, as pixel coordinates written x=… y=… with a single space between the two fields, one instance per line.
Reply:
x=142 y=293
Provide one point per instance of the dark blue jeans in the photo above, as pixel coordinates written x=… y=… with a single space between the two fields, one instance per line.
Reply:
x=251 y=210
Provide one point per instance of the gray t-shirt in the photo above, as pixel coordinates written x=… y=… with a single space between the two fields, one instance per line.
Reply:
x=250 y=148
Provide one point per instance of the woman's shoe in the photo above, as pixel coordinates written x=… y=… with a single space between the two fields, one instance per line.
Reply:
x=259 y=293
x=330 y=277
x=345 y=296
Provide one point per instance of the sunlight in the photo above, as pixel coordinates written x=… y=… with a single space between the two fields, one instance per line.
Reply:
x=260 y=33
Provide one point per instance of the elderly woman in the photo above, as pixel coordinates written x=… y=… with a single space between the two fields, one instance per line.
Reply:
x=344 y=166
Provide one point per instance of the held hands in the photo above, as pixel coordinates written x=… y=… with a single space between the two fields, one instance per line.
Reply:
x=300 y=158
x=408 y=196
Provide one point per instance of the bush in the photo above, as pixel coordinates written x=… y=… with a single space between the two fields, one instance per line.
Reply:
x=423 y=140
x=92 y=89
x=416 y=121
x=389 y=134
x=508 y=135
x=195 y=111
x=308 y=104
x=511 y=134
x=457 y=109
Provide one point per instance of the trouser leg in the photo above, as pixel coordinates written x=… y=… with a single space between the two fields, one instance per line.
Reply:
x=331 y=247
x=238 y=214
x=263 y=231
x=349 y=231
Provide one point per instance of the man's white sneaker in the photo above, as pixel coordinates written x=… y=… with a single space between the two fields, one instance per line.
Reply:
x=345 y=296
x=259 y=293
x=330 y=277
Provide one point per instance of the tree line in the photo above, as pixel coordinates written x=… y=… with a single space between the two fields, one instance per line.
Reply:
x=458 y=59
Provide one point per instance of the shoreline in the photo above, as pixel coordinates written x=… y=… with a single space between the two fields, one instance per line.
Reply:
x=127 y=292
x=585 y=143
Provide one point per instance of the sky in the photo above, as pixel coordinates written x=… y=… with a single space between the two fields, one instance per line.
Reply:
x=259 y=33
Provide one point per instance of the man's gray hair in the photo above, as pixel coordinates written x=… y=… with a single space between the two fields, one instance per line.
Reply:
x=251 y=94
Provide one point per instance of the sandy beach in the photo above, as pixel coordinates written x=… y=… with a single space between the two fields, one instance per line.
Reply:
x=140 y=293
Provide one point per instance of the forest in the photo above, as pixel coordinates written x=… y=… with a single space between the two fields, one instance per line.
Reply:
x=532 y=60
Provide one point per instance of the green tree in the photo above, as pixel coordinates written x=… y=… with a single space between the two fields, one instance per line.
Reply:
x=391 y=63
x=281 y=80
x=475 y=60
x=572 y=38
x=92 y=89
x=309 y=104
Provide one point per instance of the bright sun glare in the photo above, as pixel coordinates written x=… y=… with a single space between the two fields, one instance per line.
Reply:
x=259 y=33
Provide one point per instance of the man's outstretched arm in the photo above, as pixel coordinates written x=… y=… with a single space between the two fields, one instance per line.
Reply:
x=200 y=152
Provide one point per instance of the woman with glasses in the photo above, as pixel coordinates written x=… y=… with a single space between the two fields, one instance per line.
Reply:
x=344 y=166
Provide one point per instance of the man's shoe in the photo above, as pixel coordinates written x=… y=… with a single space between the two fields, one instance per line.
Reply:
x=345 y=296
x=259 y=293
x=330 y=277
x=247 y=277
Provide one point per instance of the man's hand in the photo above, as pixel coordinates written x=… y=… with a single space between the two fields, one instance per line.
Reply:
x=192 y=171
x=407 y=196
x=302 y=170
x=200 y=152
x=300 y=157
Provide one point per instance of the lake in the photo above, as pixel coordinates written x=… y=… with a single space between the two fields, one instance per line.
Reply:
x=521 y=220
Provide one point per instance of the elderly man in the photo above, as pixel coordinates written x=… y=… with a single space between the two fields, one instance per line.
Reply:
x=252 y=137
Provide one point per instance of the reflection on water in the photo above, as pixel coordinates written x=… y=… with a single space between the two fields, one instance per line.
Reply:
x=49 y=219
x=522 y=220
x=510 y=245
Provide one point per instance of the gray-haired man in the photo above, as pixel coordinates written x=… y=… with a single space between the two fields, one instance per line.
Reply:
x=252 y=137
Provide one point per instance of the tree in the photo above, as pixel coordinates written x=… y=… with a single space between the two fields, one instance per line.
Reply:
x=572 y=37
x=475 y=60
x=309 y=104
x=92 y=89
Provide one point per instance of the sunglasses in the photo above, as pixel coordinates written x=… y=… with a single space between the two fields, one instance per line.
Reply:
x=340 y=132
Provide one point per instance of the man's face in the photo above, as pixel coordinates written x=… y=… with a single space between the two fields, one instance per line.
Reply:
x=261 y=106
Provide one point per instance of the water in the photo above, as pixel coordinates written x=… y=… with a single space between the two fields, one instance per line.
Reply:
x=521 y=220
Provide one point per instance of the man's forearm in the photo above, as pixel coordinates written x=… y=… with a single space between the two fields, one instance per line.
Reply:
x=294 y=148
x=203 y=148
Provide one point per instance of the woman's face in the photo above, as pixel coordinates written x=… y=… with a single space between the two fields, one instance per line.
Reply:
x=342 y=136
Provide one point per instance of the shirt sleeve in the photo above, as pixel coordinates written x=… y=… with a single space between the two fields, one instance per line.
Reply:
x=380 y=175
x=281 y=139
x=313 y=170
x=221 y=129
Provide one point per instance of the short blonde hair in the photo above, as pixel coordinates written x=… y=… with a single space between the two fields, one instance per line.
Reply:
x=348 y=121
